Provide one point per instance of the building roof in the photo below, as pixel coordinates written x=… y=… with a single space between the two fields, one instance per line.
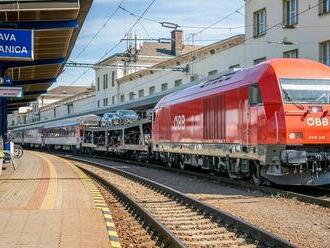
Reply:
x=162 y=49
x=188 y=56
x=150 y=49
x=69 y=99
x=69 y=90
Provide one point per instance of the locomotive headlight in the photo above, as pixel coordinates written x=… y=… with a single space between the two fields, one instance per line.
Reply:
x=295 y=135
x=316 y=109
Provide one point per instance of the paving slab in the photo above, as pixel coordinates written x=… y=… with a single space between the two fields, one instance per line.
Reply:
x=44 y=203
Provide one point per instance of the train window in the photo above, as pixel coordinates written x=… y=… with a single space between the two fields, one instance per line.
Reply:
x=255 y=97
x=153 y=116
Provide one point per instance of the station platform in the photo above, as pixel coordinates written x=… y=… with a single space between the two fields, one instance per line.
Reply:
x=48 y=202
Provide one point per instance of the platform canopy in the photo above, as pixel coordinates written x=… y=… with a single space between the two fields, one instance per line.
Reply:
x=56 y=25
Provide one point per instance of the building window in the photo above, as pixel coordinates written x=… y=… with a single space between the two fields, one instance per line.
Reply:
x=105 y=102
x=324 y=6
x=234 y=66
x=292 y=54
x=211 y=73
x=260 y=60
x=290 y=12
x=122 y=98
x=193 y=78
x=113 y=100
x=98 y=84
x=259 y=23
x=141 y=93
x=113 y=78
x=152 y=90
x=131 y=95
x=98 y=104
x=105 y=81
x=178 y=83
x=164 y=87
x=70 y=108
x=325 y=52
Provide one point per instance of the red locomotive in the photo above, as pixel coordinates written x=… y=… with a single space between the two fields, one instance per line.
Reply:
x=269 y=122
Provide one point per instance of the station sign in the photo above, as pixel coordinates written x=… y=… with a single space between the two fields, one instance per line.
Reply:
x=16 y=44
x=11 y=92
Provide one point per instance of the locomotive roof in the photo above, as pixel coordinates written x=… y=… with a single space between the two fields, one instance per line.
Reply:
x=283 y=68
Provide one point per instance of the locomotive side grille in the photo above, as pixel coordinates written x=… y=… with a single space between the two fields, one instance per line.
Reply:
x=214 y=118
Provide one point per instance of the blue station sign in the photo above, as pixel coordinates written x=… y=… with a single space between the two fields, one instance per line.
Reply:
x=16 y=44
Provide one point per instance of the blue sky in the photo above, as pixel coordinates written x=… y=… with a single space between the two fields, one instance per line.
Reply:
x=192 y=13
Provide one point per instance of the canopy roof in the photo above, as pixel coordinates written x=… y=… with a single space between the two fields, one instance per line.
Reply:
x=56 y=25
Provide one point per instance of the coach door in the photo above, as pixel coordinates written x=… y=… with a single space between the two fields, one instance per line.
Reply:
x=255 y=100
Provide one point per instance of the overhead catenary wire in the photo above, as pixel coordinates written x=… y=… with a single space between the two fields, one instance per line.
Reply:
x=177 y=25
x=93 y=38
x=249 y=38
x=220 y=20
x=130 y=30
x=100 y=29
x=284 y=21
x=118 y=43
x=267 y=29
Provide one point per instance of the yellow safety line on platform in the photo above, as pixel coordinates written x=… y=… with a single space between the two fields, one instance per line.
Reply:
x=99 y=204
x=50 y=197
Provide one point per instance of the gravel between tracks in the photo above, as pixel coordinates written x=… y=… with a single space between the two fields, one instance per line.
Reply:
x=191 y=227
x=304 y=224
x=130 y=232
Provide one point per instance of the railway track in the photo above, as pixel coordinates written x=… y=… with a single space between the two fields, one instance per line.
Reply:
x=178 y=220
x=313 y=195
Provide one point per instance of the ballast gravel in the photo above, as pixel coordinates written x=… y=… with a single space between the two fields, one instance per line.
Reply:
x=304 y=224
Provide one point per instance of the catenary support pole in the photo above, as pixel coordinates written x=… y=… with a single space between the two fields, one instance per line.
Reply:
x=3 y=110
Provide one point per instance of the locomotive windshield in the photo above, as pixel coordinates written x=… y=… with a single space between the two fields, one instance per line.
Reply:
x=306 y=90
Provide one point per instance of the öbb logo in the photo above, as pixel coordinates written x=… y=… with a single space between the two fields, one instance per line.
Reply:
x=179 y=122
x=317 y=122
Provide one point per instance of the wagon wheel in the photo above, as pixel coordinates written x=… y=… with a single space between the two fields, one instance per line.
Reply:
x=169 y=160
x=256 y=178
x=181 y=163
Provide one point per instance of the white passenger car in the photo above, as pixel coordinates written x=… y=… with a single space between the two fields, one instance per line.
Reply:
x=66 y=134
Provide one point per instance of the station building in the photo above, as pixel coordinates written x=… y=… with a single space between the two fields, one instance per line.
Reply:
x=273 y=29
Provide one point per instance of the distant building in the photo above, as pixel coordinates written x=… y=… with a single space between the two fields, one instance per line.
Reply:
x=287 y=28
x=138 y=56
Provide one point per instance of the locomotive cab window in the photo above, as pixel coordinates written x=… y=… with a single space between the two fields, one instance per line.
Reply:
x=255 y=97
x=153 y=116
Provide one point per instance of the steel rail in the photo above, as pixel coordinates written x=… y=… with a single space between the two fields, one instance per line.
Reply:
x=261 y=236
x=159 y=230
x=223 y=180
